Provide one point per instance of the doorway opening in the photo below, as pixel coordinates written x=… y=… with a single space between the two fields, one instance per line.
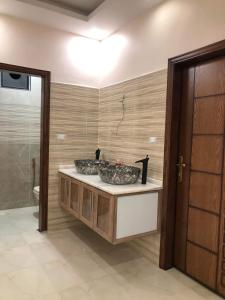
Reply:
x=24 y=145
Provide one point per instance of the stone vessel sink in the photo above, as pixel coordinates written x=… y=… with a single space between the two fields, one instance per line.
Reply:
x=119 y=174
x=89 y=166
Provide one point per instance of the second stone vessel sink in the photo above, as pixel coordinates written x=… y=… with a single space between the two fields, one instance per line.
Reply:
x=89 y=166
x=119 y=174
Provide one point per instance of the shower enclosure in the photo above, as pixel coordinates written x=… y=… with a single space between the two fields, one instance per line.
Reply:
x=20 y=113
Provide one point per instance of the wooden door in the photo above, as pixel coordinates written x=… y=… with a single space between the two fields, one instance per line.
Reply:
x=75 y=197
x=86 y=205
x=199 y=229
x=104 y=214
x=64 y=191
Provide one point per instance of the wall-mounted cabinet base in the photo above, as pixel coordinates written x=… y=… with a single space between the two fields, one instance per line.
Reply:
x=116 y=218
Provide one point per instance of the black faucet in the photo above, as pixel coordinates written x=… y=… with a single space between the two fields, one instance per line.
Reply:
x=144 y=169
x=97 y=154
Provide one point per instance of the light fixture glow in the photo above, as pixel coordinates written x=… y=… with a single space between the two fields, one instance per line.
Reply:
x=84 y=54
x=97 y=33
x=95 y=58
x=111 y=50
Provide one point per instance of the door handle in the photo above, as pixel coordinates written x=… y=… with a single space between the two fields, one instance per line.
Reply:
x=180 y=165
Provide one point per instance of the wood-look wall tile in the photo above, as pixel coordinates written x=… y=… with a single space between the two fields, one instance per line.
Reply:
x=90 y=118
x=144 y=117
x=74 y=112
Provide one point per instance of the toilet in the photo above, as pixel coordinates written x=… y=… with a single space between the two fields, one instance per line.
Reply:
x=36 y=192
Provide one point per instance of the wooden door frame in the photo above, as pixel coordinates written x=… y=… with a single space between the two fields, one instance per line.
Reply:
x=175 y=66
x=44 y=137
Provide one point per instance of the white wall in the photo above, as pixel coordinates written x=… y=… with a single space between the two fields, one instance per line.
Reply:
x=170 y=29
x=142 y=47
x=70 y=58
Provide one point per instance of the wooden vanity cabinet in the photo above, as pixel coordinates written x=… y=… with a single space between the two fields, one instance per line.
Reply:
x=97 y=211
x=75 y=197
x=87 y=204
x=116 y=218
x=64 y=191
x=92 y=206
x=104 y=214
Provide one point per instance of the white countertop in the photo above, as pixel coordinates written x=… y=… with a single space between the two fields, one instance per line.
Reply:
x=95 y=181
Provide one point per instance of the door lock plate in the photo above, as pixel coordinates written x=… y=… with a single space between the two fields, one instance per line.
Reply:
x=180 y=165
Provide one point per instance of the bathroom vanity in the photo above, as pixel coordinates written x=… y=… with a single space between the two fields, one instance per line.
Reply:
x=117 y=213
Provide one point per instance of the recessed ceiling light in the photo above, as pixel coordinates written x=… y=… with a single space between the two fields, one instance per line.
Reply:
x=97 y=33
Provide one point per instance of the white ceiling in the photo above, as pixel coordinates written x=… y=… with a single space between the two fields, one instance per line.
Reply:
x=84 y=7
x=95 y=19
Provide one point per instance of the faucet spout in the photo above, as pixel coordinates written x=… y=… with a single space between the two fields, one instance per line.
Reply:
x=144 y=169
x=97 y=154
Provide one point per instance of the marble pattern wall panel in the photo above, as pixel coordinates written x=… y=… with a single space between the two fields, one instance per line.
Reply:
x=20 y=124
x=126 y=136
x=74 y=112
x=16 y=175
x=19 y=143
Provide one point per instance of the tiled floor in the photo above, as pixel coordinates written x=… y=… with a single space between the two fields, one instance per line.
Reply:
x=76 y=264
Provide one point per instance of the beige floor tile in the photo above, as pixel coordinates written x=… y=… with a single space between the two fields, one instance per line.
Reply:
x=91 y=239
x=62 y=276
x=181 y=277
x=57 y=234
x=164 y=281
x=44 y=252
x=85 y=267
x=205 y=293
x=128 y=262
x=107 y=288
x=5 y=266
x=77 y=264
x=214 y=297
x=75 y=293
x=7 y=226
x=187 y=294
x=8 y=242
x=34 y=237
x=150 y=295
x=49 y=297
x=18 y=221
x=3 y=213
x=68 y=245
x=9 y=291
x=32 y=281
x=20 y=257
x=140 y=287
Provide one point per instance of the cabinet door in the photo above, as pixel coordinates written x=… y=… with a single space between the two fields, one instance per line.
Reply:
x=75 y=196
x=64 y=195
x=104 y=215
x=86 y=209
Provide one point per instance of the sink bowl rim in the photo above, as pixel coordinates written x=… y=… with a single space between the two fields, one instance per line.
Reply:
x=89 y=166
x=120 y=167
x=119 y=174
